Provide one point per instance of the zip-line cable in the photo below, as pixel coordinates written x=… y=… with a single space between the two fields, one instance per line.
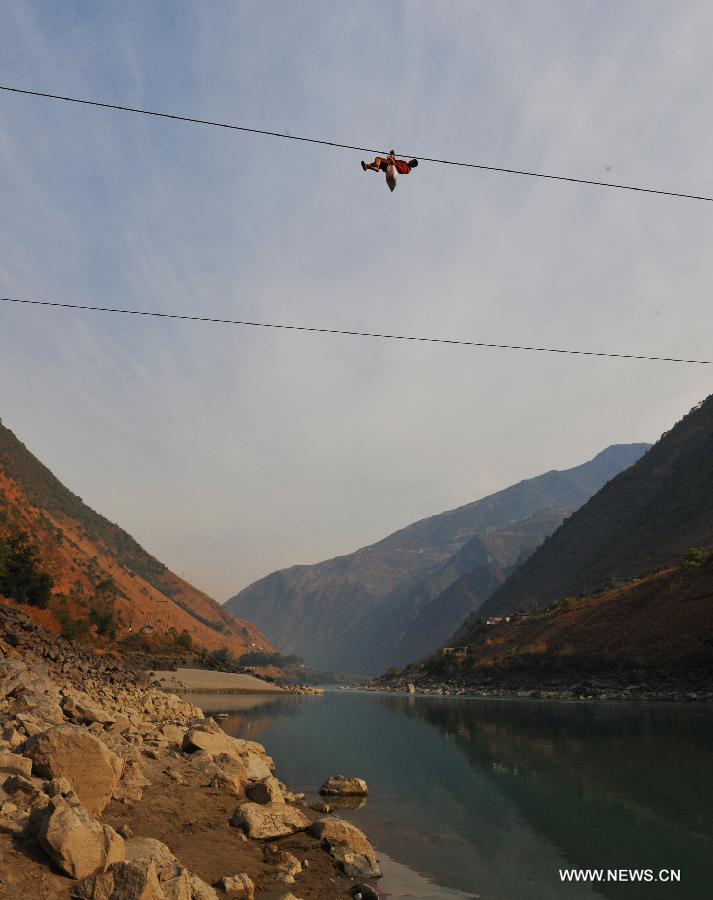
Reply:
x=310 y=140
x=343 y=331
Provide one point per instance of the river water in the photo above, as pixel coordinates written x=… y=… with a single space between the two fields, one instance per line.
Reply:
x=473 y=798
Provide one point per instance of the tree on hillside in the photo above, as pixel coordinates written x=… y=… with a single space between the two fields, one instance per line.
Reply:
x=74 y=629
x=103 y=613
x=184 y=640
x=21 y=575
x=263 y=658
x=695 y=559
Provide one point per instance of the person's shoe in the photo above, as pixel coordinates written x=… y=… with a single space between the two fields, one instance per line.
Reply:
x=363 y=165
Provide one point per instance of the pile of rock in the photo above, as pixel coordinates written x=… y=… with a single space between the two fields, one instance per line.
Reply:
x=74 y=737
x=686 y=684
x=304 y=689
x=64 y=755
x=63 y=658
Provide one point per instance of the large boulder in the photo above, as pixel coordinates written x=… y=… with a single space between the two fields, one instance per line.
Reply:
x=14 y=764
x=247 y=760
x=13 y=819
x=79 y=845
x=239 y=885
x=69 y=751
x=19 y=785
x=19 y=680
x=119 y=725
x=42 y=706
x=122 y=881
x=31 y=724
x=132 y=782
x=341 y=785
x=12 y=737
x=283 y=862
x=173 y=734
x=255 y=766
x=268 y=821
x=200 y=890
x=214 y=740
x=178 y=887
x=348 y=846
x=148 y=849
x=82 y=708
x=149 y=872
x=228 y=783
x=9 y=669
x=266 y=790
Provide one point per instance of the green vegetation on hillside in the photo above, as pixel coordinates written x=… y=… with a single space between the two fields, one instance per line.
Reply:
x=21 y=575
x=74 y=628
x=47 y=493
x=260 y=658
x=62 y=521
x=103 y=613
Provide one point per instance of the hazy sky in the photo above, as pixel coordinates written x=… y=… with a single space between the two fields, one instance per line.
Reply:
x=231 y=452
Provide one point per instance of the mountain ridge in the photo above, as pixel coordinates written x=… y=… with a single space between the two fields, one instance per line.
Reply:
x=645 y=518
x=339 y=614
x=79 y=547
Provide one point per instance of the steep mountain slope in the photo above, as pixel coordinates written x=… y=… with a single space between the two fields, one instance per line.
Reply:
x=345 y=614
x=80 y=549
x=428 y=616
x=645 y=518
x=663 y=623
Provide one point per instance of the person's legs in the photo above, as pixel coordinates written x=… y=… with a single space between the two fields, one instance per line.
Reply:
x=377 y=166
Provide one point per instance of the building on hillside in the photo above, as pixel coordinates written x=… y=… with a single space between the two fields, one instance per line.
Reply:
x=497 y=620
x=455 y=651
x=619 y=581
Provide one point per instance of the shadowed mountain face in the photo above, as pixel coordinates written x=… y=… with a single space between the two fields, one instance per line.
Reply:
x=425 y=615
x=385 y=604
x=80 y=548
x=644 y=519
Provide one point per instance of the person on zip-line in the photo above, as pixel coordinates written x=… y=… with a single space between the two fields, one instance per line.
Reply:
x=391 y=167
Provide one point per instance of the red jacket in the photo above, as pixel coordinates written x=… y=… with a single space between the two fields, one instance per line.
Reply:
x=402 y=167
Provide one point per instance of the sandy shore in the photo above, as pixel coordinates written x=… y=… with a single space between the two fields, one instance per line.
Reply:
x=185 y=680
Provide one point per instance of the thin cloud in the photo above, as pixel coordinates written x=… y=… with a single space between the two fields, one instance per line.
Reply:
x=231 y=453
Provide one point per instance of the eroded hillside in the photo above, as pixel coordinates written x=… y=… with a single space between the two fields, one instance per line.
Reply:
x=643 y=520
x=81 y=549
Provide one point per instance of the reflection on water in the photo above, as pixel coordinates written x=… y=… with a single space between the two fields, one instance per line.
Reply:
x=342 y=804
x=490 y=798
x=248 y=714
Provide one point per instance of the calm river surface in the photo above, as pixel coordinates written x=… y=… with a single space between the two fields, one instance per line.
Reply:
x=491 y=798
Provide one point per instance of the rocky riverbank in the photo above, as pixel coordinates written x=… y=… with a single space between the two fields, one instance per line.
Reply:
x=111 y=789
x=680 y=686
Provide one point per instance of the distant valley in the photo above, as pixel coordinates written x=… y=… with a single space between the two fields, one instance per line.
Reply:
x=618 y=601
x=399 y=599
